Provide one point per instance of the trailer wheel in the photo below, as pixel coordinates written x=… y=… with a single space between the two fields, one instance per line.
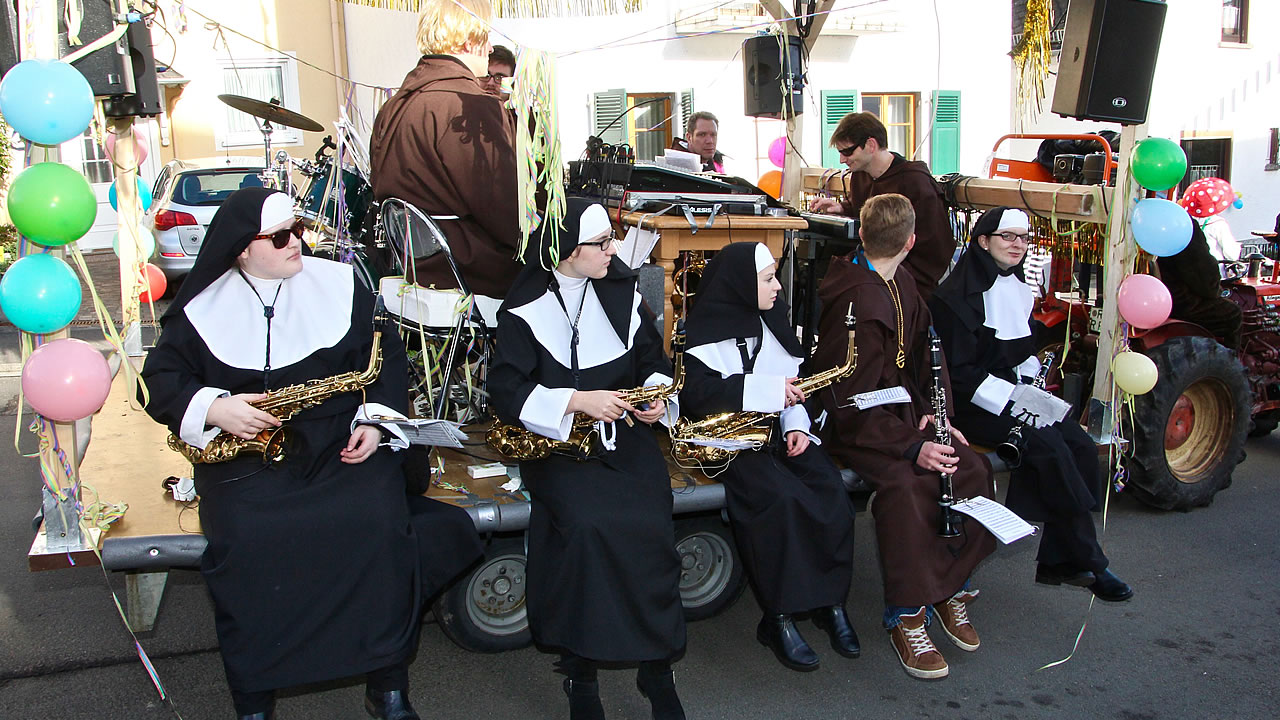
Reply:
x=1189 y=431
x=485 y=610
x=711 y=572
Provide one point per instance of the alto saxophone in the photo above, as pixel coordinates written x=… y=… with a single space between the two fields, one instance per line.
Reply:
x=1011 y=449
x=948 y=518
x=283 y=404
x=688 y=437
x=519 y=443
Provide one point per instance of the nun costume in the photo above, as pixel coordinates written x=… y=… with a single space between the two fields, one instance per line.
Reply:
x=316 y=566
x=603 y=572
x=983 y=314
x=791 y=515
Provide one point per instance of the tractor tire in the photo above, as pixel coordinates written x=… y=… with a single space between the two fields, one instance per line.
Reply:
x=1189 y=431
x=485 y=611
x=712 y=576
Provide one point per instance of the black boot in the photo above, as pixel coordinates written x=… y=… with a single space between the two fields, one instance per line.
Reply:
x=582 y=687
x=389 y=705
x=835 y=621
x=657 y=682
x=247 y=705
x=779 y=634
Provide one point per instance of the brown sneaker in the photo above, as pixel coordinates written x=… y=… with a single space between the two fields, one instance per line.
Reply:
x=954 y=618
x=916 y=652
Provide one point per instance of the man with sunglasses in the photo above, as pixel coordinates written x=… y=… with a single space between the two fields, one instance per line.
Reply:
x=863 y=142
x=318 y=564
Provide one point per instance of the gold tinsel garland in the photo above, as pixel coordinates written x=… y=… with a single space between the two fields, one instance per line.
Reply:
x=524 y=8
x=1032 y=57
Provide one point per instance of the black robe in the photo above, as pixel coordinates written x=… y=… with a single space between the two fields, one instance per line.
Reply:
x=881 y=443
x=316 y=568
x=603 y=572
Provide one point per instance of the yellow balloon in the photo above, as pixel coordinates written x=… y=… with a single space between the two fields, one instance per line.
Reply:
x=1134 y=372
x=771 y=182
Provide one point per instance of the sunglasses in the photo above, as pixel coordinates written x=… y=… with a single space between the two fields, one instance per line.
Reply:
x=280 y=238
x=846 y=152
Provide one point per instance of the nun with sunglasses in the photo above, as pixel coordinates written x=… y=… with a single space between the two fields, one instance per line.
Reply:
x=318 y=564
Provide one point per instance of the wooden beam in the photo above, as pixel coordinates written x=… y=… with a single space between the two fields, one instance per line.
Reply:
x=781 y=14
x=824 y=12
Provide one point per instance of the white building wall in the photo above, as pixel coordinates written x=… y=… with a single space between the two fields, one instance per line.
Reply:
x=1202 y=85
x=969 y=55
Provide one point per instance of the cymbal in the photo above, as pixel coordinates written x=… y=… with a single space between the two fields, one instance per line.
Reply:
x=272 y=113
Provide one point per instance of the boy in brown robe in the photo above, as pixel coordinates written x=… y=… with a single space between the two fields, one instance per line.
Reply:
x=446 y=146
x=891 y=445
x=863 y=142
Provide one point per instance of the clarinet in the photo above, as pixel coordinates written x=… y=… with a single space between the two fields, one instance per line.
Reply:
x=948 y=519
x=1011 y=449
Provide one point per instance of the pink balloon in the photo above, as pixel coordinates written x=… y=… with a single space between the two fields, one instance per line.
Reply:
x=778 y=151
x=139 y=146
x=65 y=380
x=1144 y=302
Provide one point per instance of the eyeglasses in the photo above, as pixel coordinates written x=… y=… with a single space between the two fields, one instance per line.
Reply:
x=1012 y=237
x=495 y=77
x=847 y=152
x=604 y=244
x=280 y=238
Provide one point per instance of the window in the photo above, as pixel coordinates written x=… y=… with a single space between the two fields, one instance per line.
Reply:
x=898 y=113
x=1235 y=21
x=1206 y=157
x=1273 y=151
x=95 y=164
x=652 y=126
x=261 y=79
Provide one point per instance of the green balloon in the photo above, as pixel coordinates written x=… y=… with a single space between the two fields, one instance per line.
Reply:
x=1158 y=163
x=52 y=204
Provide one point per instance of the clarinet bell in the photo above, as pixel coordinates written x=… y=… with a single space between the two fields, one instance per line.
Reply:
x=1010 y=453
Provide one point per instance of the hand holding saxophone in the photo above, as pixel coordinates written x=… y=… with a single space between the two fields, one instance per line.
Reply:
x=237 y=416
x=794 y=395
x=652 y=413
x=605 y=405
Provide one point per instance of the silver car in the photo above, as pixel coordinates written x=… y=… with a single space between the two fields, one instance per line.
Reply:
x=187 y=195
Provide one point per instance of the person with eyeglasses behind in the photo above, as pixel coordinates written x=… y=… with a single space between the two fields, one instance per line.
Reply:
x=447 y=145
x=982 y=312
x=318 y=563
x=502 y=65
x=863 y=143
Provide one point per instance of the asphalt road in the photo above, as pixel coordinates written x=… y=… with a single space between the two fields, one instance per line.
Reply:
x=1197 y=641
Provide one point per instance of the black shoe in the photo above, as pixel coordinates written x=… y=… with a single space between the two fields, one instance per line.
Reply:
x=391 y=705
x=660 y=689
x=779 y=634
x=268 y=715
x=1110 y=588
x=584 y=699
x=1063 y=574
x=835 y=621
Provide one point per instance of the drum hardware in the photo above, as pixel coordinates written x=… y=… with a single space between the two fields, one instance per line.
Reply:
x=274 y=175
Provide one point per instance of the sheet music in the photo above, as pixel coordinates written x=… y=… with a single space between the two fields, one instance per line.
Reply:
x=426 y=431
x=637 y=246
x=875 y=398
x=1000 y=520
x=724 y=443
x=1037 y=408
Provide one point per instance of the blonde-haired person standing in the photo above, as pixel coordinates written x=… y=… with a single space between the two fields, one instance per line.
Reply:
x=445 y=145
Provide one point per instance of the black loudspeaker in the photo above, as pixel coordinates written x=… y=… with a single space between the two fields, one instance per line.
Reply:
x=8 y=37
x=122 y=73
x=1109 y=59
x=766 y=70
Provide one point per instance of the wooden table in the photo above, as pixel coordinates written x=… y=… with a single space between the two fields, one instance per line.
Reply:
x=675 y=235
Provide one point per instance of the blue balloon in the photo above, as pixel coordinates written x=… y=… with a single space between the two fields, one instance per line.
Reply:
x=145 y=239
x=1238 y=204
x=40 y=294
x=1160 y=227
x=47 y=101
x=144 y=194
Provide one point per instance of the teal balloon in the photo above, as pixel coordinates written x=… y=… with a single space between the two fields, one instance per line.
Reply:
x=47 y=101
x=40 y=294
x=146 y=241
x=52 y=204
x=144 y=194
x=1160 y=227
x=1158 y=163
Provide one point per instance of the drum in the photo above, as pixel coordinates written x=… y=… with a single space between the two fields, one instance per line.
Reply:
x=319 y=201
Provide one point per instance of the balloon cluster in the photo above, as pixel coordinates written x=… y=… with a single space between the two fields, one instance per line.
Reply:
x=771 y=181
x=1160 y=227
x=49 y=102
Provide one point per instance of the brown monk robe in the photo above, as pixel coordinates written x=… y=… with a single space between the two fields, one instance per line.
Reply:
x=445 y=145
x=880 y=443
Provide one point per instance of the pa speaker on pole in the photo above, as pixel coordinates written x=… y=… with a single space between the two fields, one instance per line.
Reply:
x=1108 y=59
x=773 y=81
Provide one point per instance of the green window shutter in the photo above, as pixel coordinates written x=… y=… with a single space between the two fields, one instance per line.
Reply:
x=606 y=107
x=686 y=109
x=944 y=143
x=835 y=105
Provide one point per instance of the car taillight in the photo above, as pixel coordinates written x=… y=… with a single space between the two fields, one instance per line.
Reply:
x=172 y=219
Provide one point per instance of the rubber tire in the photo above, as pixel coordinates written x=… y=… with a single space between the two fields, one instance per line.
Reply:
x=712 y=576
x=466 y=623
x=1214 y=375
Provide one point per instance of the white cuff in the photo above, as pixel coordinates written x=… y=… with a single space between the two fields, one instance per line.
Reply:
x=797 y=418
x=673 y=402
x=993 y=394
x=371 y=413
x=192 y=430
x=763 y=393
x=1028 y=368
x=546 y=412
